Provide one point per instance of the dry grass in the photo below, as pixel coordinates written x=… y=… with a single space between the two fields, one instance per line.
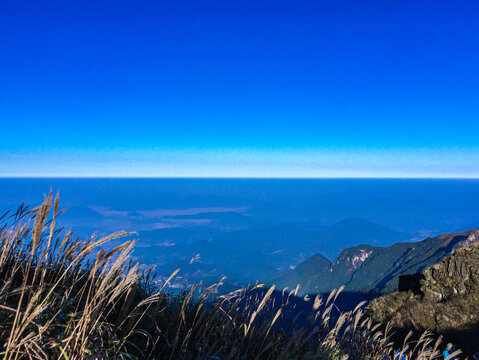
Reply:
x=67 y=298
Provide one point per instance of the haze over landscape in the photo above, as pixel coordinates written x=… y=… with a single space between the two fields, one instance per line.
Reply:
x=250 y=229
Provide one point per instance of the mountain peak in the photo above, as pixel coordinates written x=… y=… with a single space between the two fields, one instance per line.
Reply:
x=355 y=230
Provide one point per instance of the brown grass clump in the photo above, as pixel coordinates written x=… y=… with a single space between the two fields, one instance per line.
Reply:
x=66 y=298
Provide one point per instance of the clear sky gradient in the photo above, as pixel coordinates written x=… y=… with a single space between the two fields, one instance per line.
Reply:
x=239 y=88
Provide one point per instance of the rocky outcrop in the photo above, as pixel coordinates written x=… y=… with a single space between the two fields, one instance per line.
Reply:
x=472 y=238
x=448 y=302
x=458 y=274
x=352 y=260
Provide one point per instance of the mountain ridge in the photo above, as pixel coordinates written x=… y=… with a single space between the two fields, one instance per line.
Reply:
x=367 y=268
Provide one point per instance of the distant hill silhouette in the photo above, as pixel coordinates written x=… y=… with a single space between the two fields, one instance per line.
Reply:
x=354 y=231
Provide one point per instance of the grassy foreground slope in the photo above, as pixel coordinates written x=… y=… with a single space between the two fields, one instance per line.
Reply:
x=66 y=298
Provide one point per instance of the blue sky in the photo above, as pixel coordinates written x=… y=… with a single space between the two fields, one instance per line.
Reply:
x=245 y=88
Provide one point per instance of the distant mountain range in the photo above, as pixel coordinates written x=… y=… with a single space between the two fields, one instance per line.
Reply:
x=252 y=251
x=353 y=231
x=367 y=268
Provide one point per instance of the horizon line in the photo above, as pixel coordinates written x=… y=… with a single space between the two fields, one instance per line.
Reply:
x=244 y=177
